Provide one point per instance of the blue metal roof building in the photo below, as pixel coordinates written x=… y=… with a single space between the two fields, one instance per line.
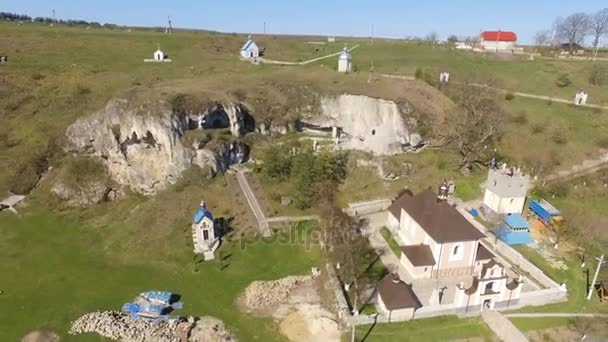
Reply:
x=515 y=230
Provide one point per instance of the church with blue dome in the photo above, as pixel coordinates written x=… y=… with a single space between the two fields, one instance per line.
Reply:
x=204 y=238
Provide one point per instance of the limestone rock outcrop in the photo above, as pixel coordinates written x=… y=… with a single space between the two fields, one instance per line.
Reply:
x=368 y=124
x=142 y=145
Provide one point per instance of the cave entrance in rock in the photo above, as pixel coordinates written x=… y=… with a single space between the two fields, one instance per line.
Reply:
x=216 y=119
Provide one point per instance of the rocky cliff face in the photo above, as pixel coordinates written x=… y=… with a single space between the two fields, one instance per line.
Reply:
x=142 y=145
x=368 y=124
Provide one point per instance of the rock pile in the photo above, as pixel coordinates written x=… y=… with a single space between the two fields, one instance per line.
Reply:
x=264 y=295
x=116 y=325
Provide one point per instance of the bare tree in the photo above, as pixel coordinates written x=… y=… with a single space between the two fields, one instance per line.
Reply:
x=476 y=127
x=572 y=29
x=431 y=37
x=598 y=26
x=583 y=325
x=542 y=38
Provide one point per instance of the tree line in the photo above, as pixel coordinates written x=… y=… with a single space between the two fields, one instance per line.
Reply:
x=574 y=29
x=308 y=172
x=6 y=16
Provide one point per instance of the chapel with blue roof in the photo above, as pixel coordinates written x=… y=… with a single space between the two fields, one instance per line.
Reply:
x=204 y=237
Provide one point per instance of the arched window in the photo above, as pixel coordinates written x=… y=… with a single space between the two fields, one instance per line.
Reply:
x=373 y=132
x=490 y=287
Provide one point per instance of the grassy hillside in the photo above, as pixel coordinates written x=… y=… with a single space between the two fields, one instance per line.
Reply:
x=62 y=263
x=58 y=265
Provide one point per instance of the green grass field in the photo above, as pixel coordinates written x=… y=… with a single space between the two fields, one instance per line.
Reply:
x=390 y=240
x=442 y=328
x=60 y=265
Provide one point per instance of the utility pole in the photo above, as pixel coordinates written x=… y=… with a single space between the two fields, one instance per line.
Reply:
x=264 y=28
x=371 y=38
x=597 y=272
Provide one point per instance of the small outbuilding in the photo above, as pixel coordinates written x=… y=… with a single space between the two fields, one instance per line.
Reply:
x=396 y=299
x=345 y=61
x=250 y=49
x=498 y=41
x=205 y=239
x=159 y=57
x=515 y=230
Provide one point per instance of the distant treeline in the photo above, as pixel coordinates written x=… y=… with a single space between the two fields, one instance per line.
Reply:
x=26 y=18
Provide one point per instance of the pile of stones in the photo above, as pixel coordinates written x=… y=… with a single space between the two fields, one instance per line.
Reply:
x=116 y=325
x=261 y=295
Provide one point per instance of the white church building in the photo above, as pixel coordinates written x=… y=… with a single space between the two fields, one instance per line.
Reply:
x=205 y=240
x=250 y=49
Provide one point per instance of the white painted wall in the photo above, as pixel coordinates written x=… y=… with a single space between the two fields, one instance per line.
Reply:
x=395 y=315
x=253 y=51
x=504 y=205
x=345 y=65
x=493 y=45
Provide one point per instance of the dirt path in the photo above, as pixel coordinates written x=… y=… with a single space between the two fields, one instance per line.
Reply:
x=270 y=61
x=520 y=94
x=586 y=167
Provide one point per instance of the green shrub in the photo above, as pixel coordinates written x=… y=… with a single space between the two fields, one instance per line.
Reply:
x=79 y=171
x=602 y=142
x=419 y=74
x=538 y=128
x=563 y=81
x=82 y=90
x=509 y=96
x=558 y=137
x=520 y=118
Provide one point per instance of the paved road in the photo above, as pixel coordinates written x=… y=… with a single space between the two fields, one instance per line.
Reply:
x=541 y=315
x=502 y=327
x=270 y=61
x=253 y=203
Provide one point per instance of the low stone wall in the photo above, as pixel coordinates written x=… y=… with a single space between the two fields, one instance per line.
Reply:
x=516 y=258
x=368 y=207
x=344 y=314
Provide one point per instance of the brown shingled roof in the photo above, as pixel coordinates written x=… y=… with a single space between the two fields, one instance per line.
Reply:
x=396 y=294
x=419 y=255
x=483 y=254
x=440 y=220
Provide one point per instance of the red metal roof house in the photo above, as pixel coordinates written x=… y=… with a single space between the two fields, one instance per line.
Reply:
x=498 y=41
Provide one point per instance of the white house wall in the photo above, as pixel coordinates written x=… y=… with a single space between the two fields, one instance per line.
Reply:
x=504 y=205
x=493 y=45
